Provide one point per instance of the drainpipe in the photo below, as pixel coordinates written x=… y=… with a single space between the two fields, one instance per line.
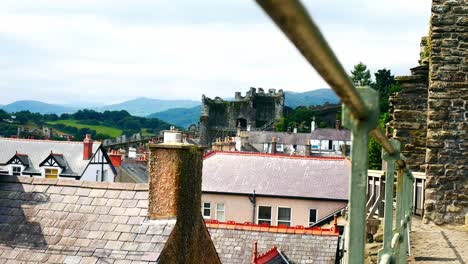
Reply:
x=253 y=200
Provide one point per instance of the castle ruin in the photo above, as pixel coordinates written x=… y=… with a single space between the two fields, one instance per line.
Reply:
x=256 y=110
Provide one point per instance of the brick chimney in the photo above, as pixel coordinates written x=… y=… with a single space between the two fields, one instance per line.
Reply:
x=337 y=125
x=175 y=176
x=273 y=145
x=116 y=157
x=87 y=147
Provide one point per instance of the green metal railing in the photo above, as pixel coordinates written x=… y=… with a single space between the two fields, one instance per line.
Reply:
x=360 y=115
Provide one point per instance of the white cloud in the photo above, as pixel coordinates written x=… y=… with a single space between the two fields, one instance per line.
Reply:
x=81 y=49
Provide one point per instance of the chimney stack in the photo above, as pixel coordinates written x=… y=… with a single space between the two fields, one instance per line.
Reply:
x=273 y=145
x=175 y=176
x=308 y=149
x=87 y=147
x=116 y=157
x=337 y=125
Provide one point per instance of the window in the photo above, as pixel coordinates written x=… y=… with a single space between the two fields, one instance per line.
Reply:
x=16 y=171
x=284 y=216
x=220 y=212
x=206 y=210
x=264 y=215
x=51 y=173
x=312 y=216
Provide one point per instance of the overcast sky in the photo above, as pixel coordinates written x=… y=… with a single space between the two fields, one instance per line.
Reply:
x=107 y=51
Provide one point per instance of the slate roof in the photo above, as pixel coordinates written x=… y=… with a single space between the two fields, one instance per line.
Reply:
x=236 y=246
x=68 y=221
x=331 y=134
x=276 y=175
x=260 y=137
x=134 y=169
x=39 y=150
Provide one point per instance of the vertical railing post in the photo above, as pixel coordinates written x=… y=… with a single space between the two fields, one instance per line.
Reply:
x=405 y=215
x=388 y=209
x=359 y=164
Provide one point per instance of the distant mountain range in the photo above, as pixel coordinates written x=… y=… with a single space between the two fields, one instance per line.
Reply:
x=145 y=106
x=182 y=117
x=314 y=97
x=177 y=112
x=37 y=107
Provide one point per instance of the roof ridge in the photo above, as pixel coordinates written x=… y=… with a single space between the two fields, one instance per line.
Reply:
x=261 y=154
x=248 y=226
x=75 y=183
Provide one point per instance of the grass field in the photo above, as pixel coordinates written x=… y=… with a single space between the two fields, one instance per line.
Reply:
x=111 y=131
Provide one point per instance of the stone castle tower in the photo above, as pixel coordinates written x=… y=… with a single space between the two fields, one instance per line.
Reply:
x=430 y=116
x=256 y=110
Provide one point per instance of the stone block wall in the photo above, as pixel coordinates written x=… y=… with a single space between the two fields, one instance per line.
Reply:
x=447 y=118
x=408 y=109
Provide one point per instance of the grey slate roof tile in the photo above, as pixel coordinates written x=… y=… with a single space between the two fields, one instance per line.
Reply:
x=63 y=224
x=276 y=175
x=71 y=227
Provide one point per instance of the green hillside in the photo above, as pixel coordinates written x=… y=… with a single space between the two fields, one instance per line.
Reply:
x=182 y=117
x=100 y=129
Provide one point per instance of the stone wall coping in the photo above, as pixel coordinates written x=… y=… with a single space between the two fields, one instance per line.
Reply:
x=75 y=183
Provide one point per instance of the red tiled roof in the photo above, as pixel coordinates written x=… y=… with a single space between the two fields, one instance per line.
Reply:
x=247 y=226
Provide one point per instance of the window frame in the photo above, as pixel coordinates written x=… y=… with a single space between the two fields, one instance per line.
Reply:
x=224 y=211
x=282 y=221
x=258 y=214
x=205 y=208
x=13 y=167
x=316 y=216
x=51 y=169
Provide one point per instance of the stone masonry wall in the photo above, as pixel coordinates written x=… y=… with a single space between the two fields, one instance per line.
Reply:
x=408 y=110
x=447 y=122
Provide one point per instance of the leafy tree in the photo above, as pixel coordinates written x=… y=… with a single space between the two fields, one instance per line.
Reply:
x=361 y=76
x=384 y=80
x=3 y=115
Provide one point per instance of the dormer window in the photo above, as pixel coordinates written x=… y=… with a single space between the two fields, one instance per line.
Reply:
x=16 y=170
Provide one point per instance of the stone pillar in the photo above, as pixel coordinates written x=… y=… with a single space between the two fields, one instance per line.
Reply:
x=175 y=174
x=447 y=127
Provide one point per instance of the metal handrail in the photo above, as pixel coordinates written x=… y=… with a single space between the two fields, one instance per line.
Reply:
x=360 y=114
x=294 y=20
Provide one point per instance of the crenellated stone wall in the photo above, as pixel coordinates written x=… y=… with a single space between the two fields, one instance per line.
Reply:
x=447 y=118
x=256 y=110
x=408 y=109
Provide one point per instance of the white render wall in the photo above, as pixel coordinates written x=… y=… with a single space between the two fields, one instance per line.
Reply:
x=93 y=173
